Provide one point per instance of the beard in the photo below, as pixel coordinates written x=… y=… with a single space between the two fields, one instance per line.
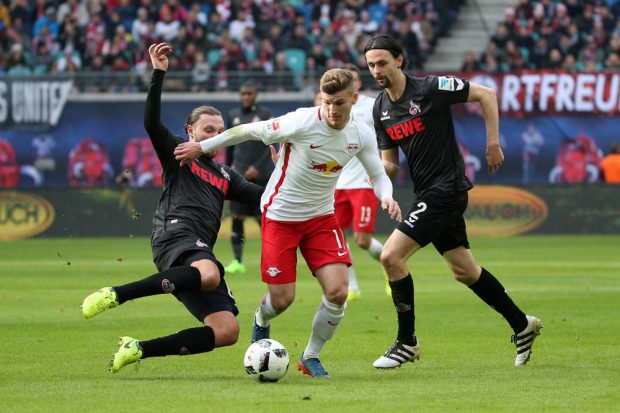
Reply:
x=387 y=83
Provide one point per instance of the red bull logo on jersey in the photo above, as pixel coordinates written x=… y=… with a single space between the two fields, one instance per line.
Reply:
x=405 y=129
x=328 y=168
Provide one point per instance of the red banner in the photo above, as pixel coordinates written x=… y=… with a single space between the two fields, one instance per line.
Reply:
x=545 y=92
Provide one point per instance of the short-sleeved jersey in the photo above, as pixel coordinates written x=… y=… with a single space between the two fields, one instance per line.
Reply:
x=193 y=195
x=420 y=122
x=353 y=175
x=312 y=157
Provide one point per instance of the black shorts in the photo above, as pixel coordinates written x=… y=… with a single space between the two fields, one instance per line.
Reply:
x=436 y=220
x=184 y=251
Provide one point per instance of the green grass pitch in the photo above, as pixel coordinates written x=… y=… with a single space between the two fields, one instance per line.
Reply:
x=52 y=360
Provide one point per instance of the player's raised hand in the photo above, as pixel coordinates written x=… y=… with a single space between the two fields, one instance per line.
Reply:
x=495 y=158
x=159 y=55
x=392 y=208
x=187 y=152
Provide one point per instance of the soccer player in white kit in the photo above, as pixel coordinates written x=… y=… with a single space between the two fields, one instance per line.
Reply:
x=355 y=201
x=298 y=203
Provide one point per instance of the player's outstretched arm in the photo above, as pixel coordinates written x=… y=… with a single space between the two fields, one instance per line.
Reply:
x=258 y=131
x=488 y=102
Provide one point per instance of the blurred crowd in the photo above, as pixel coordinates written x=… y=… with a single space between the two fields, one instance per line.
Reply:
x=571 y=35
x=212 y=38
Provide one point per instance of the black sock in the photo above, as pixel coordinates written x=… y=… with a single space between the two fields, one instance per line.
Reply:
x=237 y=238
x=492 y=292
x=185 y=278
x=191 y=341
x=402 y=296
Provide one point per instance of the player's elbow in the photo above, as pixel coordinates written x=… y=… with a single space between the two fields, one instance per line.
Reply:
x=391 y=169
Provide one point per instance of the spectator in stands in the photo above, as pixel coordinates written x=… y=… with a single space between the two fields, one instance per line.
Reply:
x=49 y=20
x=16 y=63
x=69 y=61
x=523 y=10
x=585 y=22
x=42 y=59
x=75 y=10
x=167 y=28
x=299 y=40
x=570 y=63
x=470 y=64
x=613 y=62
x=318 y=55
x=283 y=76
x=276 y=38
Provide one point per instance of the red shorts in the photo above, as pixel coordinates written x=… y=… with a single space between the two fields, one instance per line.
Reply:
x=319 y=239
x=357 y=205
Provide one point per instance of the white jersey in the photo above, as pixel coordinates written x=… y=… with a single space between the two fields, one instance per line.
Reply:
x=312 y=156
x=353 y=175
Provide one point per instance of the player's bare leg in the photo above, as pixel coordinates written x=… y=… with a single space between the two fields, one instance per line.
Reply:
x=492 y=292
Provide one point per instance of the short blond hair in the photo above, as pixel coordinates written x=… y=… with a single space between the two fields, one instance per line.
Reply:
x=337 y=80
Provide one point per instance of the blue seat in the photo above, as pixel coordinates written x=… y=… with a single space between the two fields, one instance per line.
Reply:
x=213 y=57
x=296 y=61
x=377 y=12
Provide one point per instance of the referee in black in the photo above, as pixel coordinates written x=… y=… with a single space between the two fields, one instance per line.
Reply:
x=185 y=228
x=252 y=159
x=414 y=114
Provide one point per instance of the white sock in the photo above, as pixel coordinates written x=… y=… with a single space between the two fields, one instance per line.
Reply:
x=375 y=249
x=265 y=311
x=353 y=285
x=326 y=319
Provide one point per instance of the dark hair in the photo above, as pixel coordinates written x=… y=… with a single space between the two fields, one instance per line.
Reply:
x=248 y=85
x=387 y=42
x=195 y=114
x=337 y=80
x=614 y=147
x=352 y=68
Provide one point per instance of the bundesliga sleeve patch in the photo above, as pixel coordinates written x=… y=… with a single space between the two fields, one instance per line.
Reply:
x=449 y=84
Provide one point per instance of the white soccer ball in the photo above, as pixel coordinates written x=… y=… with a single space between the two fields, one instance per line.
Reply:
x=266 y=360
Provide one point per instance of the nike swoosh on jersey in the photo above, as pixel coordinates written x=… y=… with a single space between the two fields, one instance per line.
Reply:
x=340 y=254
x=315 y=146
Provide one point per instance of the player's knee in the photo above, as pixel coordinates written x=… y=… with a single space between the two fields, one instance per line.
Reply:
x=362 y=242
x=390 y=261
x=225 y=335
x=281 y=302
x=463 y=275
x=337 y=295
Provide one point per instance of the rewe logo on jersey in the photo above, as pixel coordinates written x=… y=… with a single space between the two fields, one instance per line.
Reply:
x=405 y=129
x=210 y=178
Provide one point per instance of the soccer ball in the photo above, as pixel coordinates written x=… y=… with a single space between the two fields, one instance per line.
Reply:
x=266 y=360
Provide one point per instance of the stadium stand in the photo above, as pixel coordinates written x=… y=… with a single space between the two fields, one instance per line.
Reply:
x=570 y=35
x=93 y=39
